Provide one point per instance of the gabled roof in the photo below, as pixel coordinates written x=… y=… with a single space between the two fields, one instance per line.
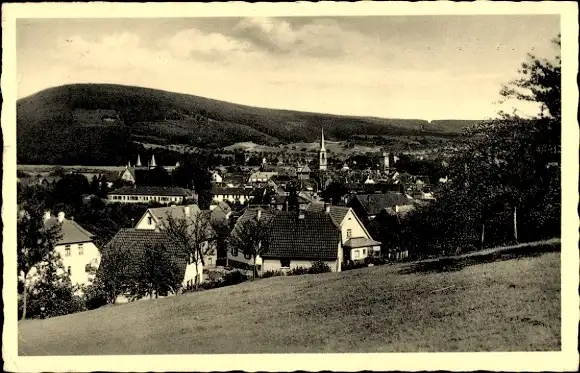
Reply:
x=71 y=231
x=136 y=242
x=152 y=191
x=251 y=213
x=337 y=213
x=373 y=204
x=177 y=212
x=315 y=237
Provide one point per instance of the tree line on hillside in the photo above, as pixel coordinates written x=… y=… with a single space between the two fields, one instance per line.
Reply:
x=504 y=187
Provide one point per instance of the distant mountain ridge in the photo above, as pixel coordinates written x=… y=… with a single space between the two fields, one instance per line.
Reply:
x=69 y=123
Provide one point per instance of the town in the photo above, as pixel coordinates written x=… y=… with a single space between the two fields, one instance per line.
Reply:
x=152 y=221
x=348 y=197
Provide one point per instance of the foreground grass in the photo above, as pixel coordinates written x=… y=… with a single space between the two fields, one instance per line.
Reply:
x=511 y=305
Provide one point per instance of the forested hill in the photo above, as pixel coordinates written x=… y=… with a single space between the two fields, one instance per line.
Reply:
x=96 y=123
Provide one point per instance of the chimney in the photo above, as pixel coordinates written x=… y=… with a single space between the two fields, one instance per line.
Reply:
x=327 y=208
x=46 y=215
x=61 y=217
x=186 y=210
x=330 y=201
x=258 y=214
x=397 y=208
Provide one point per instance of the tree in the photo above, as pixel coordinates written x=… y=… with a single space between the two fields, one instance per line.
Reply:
x=113 y=273
x=194 y=174
x=510 y=164
x=192 y=235
x=35 y=245
x=252 y=238
x=51 y=291
x=334 y=192
x=157 y=273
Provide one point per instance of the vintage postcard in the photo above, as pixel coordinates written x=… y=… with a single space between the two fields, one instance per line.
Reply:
x=290 y=186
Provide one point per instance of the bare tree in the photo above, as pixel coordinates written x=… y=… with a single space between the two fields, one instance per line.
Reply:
x=193 y=235
x=252 y=238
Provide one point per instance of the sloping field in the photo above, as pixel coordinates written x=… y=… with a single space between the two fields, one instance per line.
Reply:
x=506 y=305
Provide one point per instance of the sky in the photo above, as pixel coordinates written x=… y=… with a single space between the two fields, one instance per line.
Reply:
x=424 y=67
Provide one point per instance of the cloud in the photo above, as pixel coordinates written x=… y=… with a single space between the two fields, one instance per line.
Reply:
x=318 y=38
x=192 y=41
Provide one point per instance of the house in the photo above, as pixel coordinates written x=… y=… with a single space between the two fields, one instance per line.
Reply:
x=232 y=195
x=156 y=219
x=220 y=211
x=148 y=194
x=355 y=238
x=234 y=257
x=303 y=172
x=80 y=257
x=216 y=178
x=299 y=238
x=261 y=177
x=280 y=202
x=367 y=206
x=128 y=175
x=233 y=180
x=137 y=241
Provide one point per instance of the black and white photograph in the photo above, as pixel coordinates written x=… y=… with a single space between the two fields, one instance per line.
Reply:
x=208 y=182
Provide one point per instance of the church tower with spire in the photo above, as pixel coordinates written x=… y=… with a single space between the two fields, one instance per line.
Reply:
x=153 y=164
x=322 y=161
x=138 y=164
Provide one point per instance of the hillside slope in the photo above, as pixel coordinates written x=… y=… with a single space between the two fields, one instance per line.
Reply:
x=67 y=123
x=510 y=305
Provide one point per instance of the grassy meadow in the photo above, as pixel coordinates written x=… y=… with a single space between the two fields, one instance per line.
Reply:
x=510 y=304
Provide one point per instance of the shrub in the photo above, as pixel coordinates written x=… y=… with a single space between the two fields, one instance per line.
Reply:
x=319 y=267
x=273 y=273
x=297 y=271
x=233 y=278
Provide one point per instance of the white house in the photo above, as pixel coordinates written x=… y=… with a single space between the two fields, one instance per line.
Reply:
x=261 y=176
x=156 y=219
x=216 y=178
x=80 y=257
x=148 y=194
x=355 y=238
x=236 y=258
x=232 y=195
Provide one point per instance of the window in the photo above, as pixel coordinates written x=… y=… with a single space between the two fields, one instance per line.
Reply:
x=68 y=270
x=234 y=251
x=247 y=256
x=364 y=251
x=285 y=263
x=348 y=233
x=209 y=261
x=355 y=254
x=67 y=250
x=150 y=220
x=81 y=249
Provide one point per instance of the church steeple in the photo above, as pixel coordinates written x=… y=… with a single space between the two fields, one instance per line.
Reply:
x=322 y=154
x=153 y=164
x=138 y=164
